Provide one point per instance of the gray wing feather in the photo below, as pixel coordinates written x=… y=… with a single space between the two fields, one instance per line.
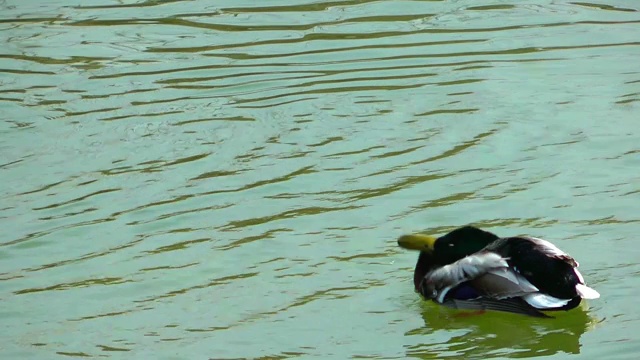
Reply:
x=503 y=283
x=439 y=281
x=488 y=272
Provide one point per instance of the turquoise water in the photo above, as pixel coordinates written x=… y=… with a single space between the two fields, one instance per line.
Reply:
x=195 y=180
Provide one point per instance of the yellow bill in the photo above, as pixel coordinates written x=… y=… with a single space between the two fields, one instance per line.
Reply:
x=420 y=242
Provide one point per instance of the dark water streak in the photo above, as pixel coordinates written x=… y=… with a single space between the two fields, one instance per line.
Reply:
x=228 y=179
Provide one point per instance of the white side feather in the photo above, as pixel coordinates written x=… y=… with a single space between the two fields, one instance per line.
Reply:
x=586 y=292
x=542 y=301
x=579 y=275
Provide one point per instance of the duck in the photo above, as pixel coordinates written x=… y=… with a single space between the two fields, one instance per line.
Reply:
x=470 y=268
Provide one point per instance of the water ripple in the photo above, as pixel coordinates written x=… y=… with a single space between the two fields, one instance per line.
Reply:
x=238 y=168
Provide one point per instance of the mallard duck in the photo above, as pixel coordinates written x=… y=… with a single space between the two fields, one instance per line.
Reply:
x=470 y=268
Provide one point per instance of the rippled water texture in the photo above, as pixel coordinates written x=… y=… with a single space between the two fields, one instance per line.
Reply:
x=226 y=179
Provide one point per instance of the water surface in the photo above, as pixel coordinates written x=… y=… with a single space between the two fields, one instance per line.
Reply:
x=193 y=180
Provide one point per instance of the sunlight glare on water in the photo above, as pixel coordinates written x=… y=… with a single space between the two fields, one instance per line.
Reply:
x=191 y=180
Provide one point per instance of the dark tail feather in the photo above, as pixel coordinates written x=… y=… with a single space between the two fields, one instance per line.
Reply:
x=513 y=305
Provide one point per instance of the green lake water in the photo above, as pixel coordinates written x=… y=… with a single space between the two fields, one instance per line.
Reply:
x=227 y=179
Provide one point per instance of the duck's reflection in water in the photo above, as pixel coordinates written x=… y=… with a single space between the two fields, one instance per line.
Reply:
x=491 y=334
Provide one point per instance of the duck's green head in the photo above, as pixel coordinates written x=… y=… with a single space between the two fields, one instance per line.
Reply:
x=451 y=247
x=435 y=252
